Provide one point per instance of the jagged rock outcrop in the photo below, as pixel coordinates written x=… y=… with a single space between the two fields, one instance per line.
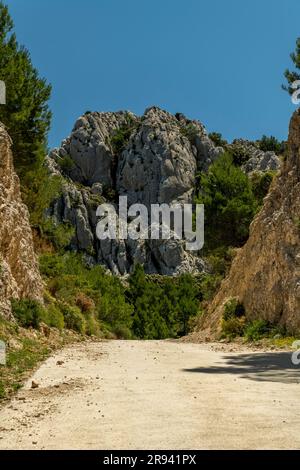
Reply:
x=19 y=273
x=265 y=274
x=150 y=159
x=256 y=160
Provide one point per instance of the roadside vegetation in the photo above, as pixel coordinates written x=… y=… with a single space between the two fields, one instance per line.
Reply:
x=25 y=349
x=235 y=325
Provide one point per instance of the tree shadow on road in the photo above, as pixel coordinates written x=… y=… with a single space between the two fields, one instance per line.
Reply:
x=271 y=367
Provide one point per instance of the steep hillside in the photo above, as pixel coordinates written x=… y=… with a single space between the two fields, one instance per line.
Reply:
x=265 y=274
x=19 y=274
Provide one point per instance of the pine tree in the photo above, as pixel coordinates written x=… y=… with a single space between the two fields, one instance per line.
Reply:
x=292 y=76
x=26 y=114
x=229 y=203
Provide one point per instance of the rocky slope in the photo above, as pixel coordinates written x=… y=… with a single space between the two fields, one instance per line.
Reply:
x=265 y=275
x=150 y=159
x=19 y=274
x=256 y=160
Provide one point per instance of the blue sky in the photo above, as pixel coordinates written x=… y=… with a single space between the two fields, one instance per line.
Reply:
x=218 y=61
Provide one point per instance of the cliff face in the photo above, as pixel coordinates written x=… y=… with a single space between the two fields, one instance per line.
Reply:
x=265 y=275
x=19 y=274
x=149 y=159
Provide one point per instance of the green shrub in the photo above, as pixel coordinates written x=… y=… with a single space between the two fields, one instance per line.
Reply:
x=229 y=203
x=233 y=320
x=163 y=306
x=239 y=153
x=59 y=234
x=233 y=327
x=41 y=190
x=121 y=137
x=28 y=313
x=233 y=309
x=92 y=326
x=217 y=139
x=66 y=164
x=257 y=329
x=54 y=317
x=73 y=318
x=209 y=285
x=122 y=332
x=271 y=144
x=189 y=131
x=261 y=183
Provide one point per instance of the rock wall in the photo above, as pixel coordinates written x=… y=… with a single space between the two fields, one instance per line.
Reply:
x=265 y=274
x=150 y=159
x=19 y=273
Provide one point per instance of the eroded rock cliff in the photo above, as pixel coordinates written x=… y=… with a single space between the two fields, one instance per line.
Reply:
x=149 y=159
x=19 y=273
x=265 y=275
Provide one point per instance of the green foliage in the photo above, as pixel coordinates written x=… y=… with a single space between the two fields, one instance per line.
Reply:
x=26 y=114
x=187 y=301
x=189 y=131
x=229 y=203
x=233 y=327
x=121 y=137
x=162 y=308
x=66 y=164
x=73 y=318
x=220 y=259
x=209 y=285
x=26 y=350
x=233 y=320
x=28 y=312
x=257 y=329
x=217 y=139
x=293 y=75
x=87 y=296
x=60 y=235
x=39 y=195
x=122 y=332
x=234 y=323
x=233 y=309
x=54 y=317
x=261 y=183
x=19 y=362
x=271 y=144
x=239 y=153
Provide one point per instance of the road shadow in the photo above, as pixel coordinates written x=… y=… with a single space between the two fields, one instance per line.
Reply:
x=270 y=367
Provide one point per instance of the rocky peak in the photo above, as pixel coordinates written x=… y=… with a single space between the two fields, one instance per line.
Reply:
x=87 y=156
x=19 y=273
x=150 y=159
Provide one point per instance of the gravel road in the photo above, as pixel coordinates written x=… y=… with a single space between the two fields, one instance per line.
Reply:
x=156 y=395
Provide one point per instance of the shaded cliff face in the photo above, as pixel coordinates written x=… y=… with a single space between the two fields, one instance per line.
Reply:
x=19 y=273
x=150 y=159
x=265 y=275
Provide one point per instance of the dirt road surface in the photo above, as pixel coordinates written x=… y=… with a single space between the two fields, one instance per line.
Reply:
x=156 y=395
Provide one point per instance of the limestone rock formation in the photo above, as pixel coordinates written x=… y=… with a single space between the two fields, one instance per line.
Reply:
x=265 y=274
x=256 y=159
x=19 y=273
x=150 y=159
